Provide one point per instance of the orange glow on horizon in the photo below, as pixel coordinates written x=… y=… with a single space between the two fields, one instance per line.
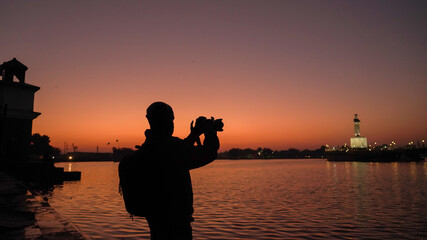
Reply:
x=281 y=74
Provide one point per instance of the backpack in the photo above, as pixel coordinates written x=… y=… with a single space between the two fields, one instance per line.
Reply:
x=136 y=178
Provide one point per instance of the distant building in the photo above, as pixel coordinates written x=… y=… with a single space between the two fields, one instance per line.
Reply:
x=16 y=111
x=357 y=141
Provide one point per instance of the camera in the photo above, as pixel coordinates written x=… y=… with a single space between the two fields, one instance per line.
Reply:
x=217 y=124
x=204 y=124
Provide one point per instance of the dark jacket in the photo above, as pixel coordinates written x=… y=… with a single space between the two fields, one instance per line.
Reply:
x=167 y=161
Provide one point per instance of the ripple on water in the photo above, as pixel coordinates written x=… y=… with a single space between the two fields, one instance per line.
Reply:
x=277 y=199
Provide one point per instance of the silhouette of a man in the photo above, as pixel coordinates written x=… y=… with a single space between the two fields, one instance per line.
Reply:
x=172 y=159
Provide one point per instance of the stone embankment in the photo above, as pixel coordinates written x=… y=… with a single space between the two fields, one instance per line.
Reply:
x=25 y=216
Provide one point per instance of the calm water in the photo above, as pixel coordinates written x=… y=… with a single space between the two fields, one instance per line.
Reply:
x=273 y=199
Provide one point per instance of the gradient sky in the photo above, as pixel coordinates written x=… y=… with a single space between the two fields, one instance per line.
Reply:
x=280 y=73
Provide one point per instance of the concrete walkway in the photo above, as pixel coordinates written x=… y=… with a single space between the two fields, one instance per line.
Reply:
x=29 y=217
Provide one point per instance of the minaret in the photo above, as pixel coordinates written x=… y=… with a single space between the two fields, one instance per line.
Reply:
x=357 y=141
x=16 y=112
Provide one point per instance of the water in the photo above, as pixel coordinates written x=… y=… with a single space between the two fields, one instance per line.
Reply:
x=270 y=199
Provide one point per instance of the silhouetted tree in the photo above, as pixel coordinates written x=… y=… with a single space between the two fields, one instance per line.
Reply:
x=293 y=153
x=267 y=153
x=56 y=151
x=40 y=146
x=234 y=153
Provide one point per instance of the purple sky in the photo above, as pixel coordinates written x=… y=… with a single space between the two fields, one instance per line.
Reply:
x=281 y=73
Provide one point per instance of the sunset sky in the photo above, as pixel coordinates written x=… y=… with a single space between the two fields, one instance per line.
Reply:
x=281 y=74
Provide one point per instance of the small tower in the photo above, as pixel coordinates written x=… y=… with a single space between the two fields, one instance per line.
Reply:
x=356 y=124
x=13 y=68
x=357 y=141
x=16 y=111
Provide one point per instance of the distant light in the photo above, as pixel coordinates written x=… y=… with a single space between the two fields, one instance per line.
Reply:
x=70 y=157
x=53 y=157
x=422 y=141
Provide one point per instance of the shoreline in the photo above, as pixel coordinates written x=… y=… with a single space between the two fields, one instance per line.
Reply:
x=25 y=215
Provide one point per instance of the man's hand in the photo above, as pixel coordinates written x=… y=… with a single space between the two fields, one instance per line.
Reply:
x=200 y=126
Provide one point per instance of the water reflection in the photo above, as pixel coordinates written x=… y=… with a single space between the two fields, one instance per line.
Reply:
x=413 y=171
x=275 y=199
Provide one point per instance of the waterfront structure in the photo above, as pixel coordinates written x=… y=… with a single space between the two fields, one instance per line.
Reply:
x=357 y=141
x=16 y=111
x=360 y=152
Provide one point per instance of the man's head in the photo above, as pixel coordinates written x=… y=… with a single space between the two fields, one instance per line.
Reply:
x=160 y=117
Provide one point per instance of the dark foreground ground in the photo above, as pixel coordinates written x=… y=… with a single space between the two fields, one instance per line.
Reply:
x=24 y=215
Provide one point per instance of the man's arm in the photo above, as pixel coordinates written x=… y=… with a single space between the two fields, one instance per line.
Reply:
x=202 y=154
x=192 y=138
